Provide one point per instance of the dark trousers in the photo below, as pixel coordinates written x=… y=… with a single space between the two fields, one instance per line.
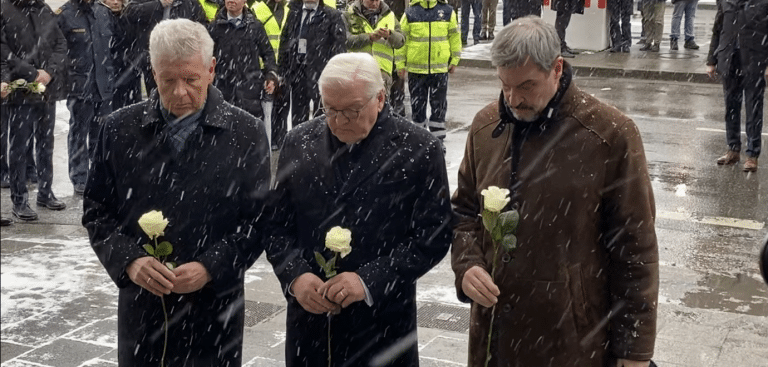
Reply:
x=295 y=97
x=561 y=23
x=432 y=87
x=747 y=84
x=476 y=7
x=620 y=26
x=85 y=120
x=31 y=121
x=4 y=171
x=514 y=9
x=397 y=94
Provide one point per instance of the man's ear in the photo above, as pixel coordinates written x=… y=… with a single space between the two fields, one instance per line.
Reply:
x=558 y=67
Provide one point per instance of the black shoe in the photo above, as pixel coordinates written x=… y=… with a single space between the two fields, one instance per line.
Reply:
x=565 y=53
x=615 y=49
x=4 y=222
x=642 y=41
x=476 y=41
x=24 y=212
x=673 y=45
x=691 y=45
x=625 y=48
x=463 y=43
x=79 y=189
x=655 y=48
x=491 y=36
x=483 y=36
x=5 y=182
x=572 y=51
x=51 y=203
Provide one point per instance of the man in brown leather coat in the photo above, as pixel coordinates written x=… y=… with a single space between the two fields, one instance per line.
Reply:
x=581 y=287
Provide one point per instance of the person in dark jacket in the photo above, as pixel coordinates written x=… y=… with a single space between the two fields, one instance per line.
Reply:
x=205 y=165
x=88 y=28
x=367 y=170
x=127 y=74
x=33 y=50
x=313 y=33
x=738 y=52
x=564 y=9
x=620 y=27
x=240 y=44
x=145 y=14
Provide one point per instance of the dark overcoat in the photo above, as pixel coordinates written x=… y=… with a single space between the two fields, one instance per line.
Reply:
x=391 y=191
x=568 y=6
x=212 y=194
x=742 y=24
x=32 y=40
x=327 y=39
x=238 y=49
x=88 y=28
x=582 y=287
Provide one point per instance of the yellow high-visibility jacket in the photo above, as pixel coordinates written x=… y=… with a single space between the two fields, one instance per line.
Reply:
x=432 y=39
x=264 y=15
x=211 y=8
x=358 y=29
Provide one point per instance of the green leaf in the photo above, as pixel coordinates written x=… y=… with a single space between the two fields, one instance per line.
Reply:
x=490 y=219
x=509 y=243
x=163 y=249
x=149 y=249
x=330 y=274
x=320 y=259
x=170 y=265
x=332 y=263
x=508 y=221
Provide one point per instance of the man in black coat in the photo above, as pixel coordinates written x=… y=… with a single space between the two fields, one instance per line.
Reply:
x=365 y=169
x=313 y=33
x=564 y=9
x=88 y=28
x=205 y=165
x=126 y=65
x=145 y=14
x=32 y=49
x=739 y=54
x=240 y=44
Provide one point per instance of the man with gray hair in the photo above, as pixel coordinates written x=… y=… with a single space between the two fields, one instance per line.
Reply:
x=578 y=285
x=363 y=168
x=205 y=165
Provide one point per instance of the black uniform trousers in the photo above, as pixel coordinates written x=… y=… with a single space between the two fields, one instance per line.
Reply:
x=295 y=97
x=748 y=85
x=33 y=121
x=620 y=28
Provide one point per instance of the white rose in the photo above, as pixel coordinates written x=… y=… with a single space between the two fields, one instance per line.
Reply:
x=153 y=223
x=338 y=240
x=495 y=199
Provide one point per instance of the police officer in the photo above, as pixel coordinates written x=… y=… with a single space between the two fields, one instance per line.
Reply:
x=88 y=28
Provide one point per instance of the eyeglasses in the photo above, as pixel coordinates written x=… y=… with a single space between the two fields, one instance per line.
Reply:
x=349 y=114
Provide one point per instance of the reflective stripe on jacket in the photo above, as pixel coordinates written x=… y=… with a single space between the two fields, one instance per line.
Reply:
x=265 y=16
x=432 y=40
x=210 y=8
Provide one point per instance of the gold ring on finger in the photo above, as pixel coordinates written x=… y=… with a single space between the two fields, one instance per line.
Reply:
x=148 y=279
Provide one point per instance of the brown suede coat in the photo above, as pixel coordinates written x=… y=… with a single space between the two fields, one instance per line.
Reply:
x=582 y=287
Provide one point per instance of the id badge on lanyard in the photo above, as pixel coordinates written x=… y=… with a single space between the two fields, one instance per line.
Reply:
x=302 y=46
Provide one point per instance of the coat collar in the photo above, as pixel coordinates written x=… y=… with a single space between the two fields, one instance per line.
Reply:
x=211 y=115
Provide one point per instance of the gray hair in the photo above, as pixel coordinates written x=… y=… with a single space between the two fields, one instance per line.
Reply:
x=523 y=39
x=347 y=68
x=180 y=38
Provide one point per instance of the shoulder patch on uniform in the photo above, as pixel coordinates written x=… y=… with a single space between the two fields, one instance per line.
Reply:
x=57 y=11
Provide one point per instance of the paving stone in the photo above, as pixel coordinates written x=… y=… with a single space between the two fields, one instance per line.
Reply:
x=10 y=350
x=65 y=353
x=103 y=332
x=685 y=354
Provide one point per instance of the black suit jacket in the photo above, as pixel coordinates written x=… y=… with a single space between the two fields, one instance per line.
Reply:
x=742 y=23
x=212 y=193
x=391 y=191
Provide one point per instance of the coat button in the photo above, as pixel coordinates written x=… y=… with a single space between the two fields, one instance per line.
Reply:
x=507 y=308
x=505 y=258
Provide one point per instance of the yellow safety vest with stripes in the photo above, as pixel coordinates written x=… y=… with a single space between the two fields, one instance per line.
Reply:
x=265 y=16
x=210 y=8
x=432 y=39
x=380 y=50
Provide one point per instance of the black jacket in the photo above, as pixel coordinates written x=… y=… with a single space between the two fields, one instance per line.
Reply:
x=212 y=195
x=145 y=14
x=568 y=6
x=741 y=24
x=31 y=40
x=238 y=51
x=88 y=28
x=327 y=38
x=396 y=203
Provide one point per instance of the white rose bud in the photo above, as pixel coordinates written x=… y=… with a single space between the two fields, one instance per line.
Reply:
x=338 y=240
x=153 y=223
x=495 y=199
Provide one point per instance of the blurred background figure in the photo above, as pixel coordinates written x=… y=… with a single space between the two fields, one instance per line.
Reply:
x=620 y=12
x=687 y=7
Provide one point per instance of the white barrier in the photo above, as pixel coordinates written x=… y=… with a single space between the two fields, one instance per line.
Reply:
x=588 y=31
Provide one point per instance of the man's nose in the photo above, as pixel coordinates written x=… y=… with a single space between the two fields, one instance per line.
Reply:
x=179 y=89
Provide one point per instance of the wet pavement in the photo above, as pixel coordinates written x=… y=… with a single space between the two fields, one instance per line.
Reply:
x=59 y=306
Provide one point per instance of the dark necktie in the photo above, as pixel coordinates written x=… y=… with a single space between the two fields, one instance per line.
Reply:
x=305 y=23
